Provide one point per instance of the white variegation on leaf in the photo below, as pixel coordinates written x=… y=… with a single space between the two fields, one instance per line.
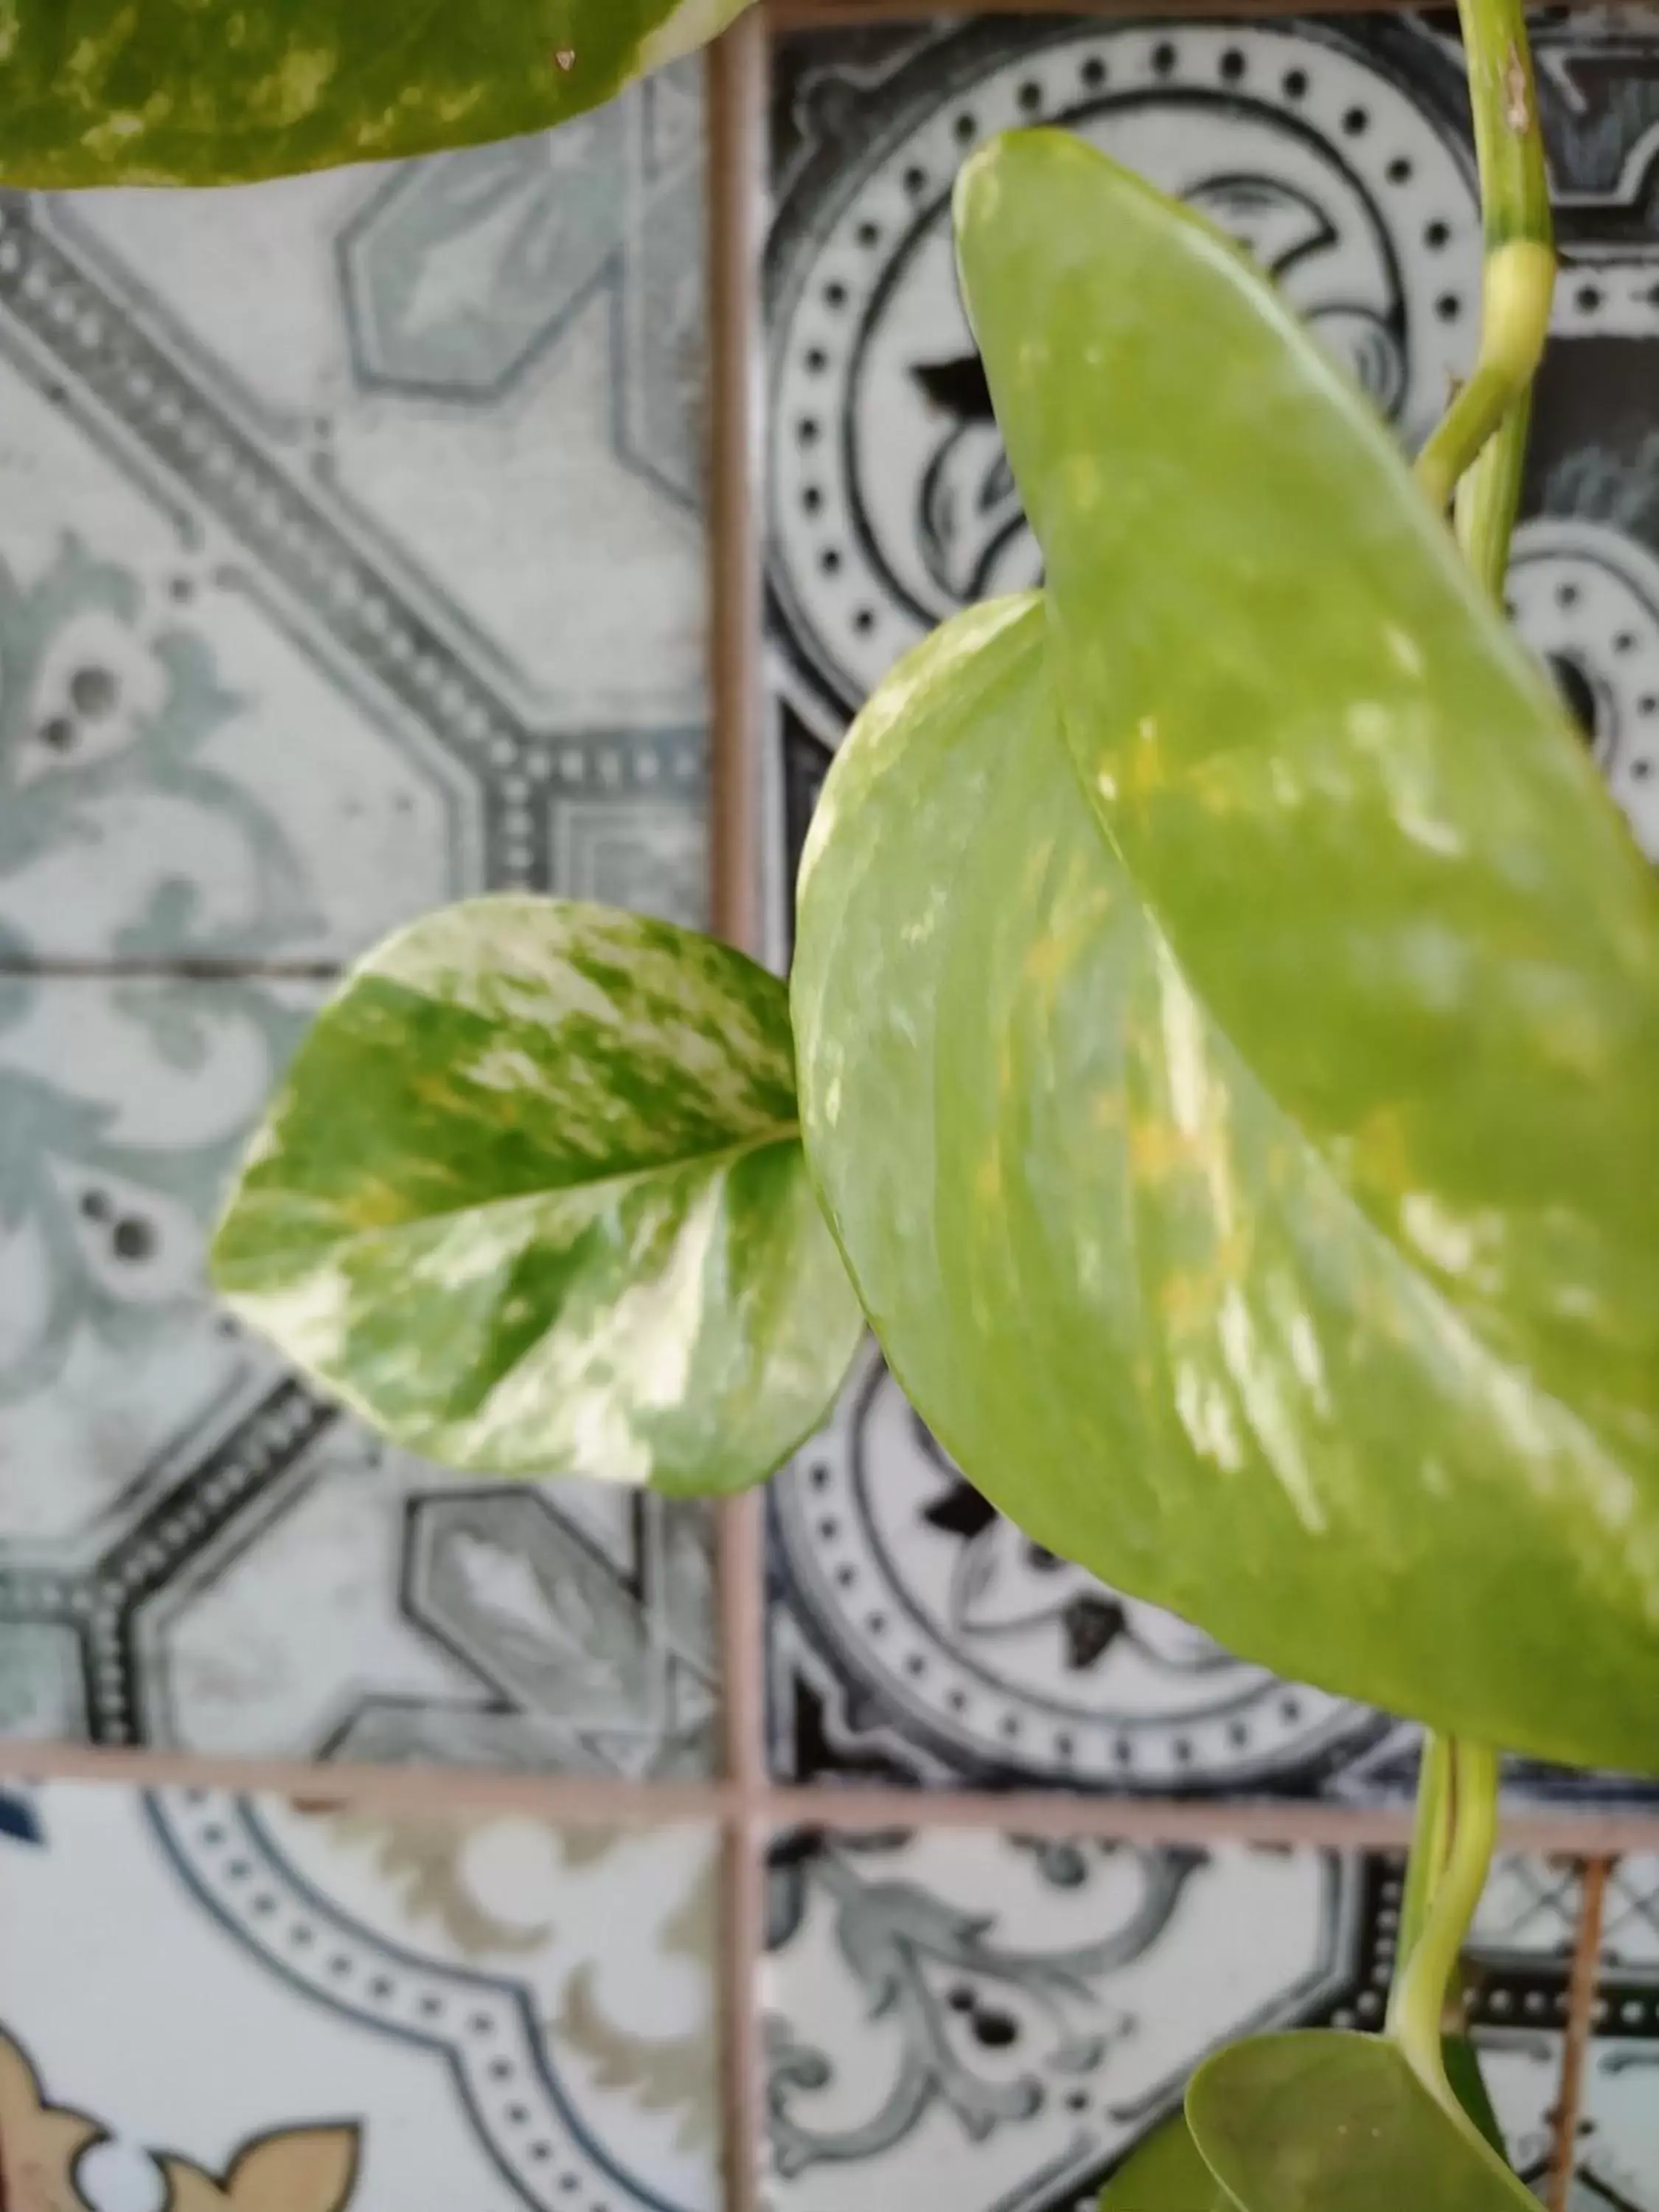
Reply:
x=694 y=23
x=533 y=1200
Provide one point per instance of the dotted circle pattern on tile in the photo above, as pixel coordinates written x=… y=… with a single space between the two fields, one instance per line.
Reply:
x=891 y=503
x=970 y=1638
x=483 y=2025
x=1586 y=597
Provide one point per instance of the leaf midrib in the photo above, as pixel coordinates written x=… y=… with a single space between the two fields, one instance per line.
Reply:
x=709 y=1161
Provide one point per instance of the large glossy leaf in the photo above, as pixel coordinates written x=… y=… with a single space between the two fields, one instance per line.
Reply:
x=1165 y=2173
x=204 y=92
x=533 y=1199
x=1139 y=1305
x=1319 y=2121
x=1237 y=1100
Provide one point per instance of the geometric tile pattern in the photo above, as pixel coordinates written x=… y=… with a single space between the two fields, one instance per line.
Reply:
x=305 y=2007
x=1003 y=2019
x=252 y=654
x=1616 y=2152
x=313 y=501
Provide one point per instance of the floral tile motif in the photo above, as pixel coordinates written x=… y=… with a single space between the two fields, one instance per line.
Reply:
x=316 y=499
x=222 y=2001
x=196 y=1551
x=1616 y=2155
x=993 y=2020
x=913 y=1634
x=916 y=1632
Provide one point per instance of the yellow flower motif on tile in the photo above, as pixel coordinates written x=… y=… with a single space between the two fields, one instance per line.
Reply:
x=307 y=2169
x=39 y=2142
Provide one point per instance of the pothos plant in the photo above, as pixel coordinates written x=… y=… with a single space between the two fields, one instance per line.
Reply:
x=1221 y=1062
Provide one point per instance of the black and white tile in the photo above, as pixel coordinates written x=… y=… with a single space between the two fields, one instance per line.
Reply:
x=351 y=560
x=913 y=1634
x=1616 y=2152
x=993 y=2020
x=351 y=545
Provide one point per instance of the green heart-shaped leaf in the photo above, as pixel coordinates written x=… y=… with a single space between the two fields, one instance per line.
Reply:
x=207 y=92
x=1237 y=1100
x=1319 y=2121
x=1138 y=1304
x=1165 y=2173
x=533 y=1199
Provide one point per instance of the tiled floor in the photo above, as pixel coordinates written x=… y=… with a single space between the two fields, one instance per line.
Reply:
x=352 y=556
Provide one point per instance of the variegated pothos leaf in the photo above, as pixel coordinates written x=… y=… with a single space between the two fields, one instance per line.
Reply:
x=532 y=1199
x=210 y=91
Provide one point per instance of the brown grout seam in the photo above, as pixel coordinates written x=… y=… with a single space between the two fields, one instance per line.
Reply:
x=200 y=967
x=737 y=95
x=1581 y=2016
x=736 y=81
x=578 y=1800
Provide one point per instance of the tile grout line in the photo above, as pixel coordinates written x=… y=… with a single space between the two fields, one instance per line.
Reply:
x=198 y=969
x=587 y=1799
x=736 y=80
x=1581 y=2009
x=744 y=1835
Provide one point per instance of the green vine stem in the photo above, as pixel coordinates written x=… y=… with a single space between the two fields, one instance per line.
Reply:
x=1516 y=283
x=1417 y=2005
x=1517 y=276
x=1490 y=494
x=1431 y=1841
x=1477 y=452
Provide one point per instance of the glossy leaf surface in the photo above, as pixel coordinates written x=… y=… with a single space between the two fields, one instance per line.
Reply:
x=1165 y=2173
x=1135 y=1300
x=204 y=92
x=533 y=1198
x=1319 y=2121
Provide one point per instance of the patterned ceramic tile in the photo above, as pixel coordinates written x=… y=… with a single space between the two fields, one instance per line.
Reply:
x=317 y=498
x=222 y=2001
x=984 y=2020
x=194 y=1550
x=350 y=546
x=913 y=1634
x=1616 y=2165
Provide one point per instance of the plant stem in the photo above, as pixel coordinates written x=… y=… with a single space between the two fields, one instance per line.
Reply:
x=1518 y=274
x=1417 y=2005
x=1516 y=283
x=1489 y=495
x=1431 y=1840
x=1476 y=451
